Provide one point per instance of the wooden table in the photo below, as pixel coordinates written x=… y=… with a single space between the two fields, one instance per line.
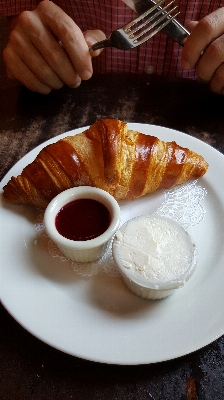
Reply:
x=29 y=368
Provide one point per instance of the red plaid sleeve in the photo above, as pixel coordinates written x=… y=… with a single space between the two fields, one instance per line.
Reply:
x=10 y=7
x=160 y=54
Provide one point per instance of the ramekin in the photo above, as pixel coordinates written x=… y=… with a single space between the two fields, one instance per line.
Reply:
x=143 y=286
x=88 y=250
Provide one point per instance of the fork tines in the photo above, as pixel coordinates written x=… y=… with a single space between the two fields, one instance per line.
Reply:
x=156 y=17
x=140 y=29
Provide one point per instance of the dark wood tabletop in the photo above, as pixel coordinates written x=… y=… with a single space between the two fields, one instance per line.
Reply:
x=31 y=369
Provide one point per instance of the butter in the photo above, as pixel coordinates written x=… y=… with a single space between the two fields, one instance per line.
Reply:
x=156 y=249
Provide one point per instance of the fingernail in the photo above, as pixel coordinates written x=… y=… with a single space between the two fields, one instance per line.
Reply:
x=76 y=85
x=90 y=42
x=86 y=74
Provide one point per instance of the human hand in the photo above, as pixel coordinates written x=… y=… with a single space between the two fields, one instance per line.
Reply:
x=207 y=36
x=46 y=49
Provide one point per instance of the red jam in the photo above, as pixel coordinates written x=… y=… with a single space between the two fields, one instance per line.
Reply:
x=82 y=219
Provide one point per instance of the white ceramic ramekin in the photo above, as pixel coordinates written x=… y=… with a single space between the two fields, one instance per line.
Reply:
x=153 y=278
x=86 y=250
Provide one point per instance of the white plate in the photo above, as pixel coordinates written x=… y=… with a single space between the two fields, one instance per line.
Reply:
x=98 y=318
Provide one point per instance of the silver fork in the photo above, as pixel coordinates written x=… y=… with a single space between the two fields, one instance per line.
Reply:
x=140 y=29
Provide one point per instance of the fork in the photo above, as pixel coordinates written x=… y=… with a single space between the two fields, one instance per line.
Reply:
x=140 y=29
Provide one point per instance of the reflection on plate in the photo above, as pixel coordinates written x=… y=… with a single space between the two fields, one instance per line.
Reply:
x=97 y=317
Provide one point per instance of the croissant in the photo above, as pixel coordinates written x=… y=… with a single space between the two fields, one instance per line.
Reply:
x=125 y=163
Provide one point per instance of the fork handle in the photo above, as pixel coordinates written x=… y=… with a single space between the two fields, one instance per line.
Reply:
x=99 y=45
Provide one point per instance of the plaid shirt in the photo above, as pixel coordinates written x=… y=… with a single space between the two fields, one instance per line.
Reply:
x=160 y=54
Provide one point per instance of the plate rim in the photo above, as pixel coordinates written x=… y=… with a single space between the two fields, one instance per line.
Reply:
x=206 y=147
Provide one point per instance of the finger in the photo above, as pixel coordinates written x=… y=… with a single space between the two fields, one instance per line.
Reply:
x=217 y=81
x=208 y=29
x=19 y=71
x=8 y=73
x=212 y=58
x=25 y=50
x=92 y=37
x=48 y=48
x=70 y=35
x=190 y=25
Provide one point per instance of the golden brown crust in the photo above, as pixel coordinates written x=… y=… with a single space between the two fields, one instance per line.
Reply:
x=125 y=163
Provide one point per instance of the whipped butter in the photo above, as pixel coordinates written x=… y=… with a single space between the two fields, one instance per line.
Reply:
x=155 y=250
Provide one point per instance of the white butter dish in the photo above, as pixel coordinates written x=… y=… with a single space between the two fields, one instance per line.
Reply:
x=155 y=255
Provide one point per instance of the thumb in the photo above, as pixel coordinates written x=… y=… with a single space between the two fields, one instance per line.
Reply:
x=93 y=36
x=185 y=54
x=190 y=25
